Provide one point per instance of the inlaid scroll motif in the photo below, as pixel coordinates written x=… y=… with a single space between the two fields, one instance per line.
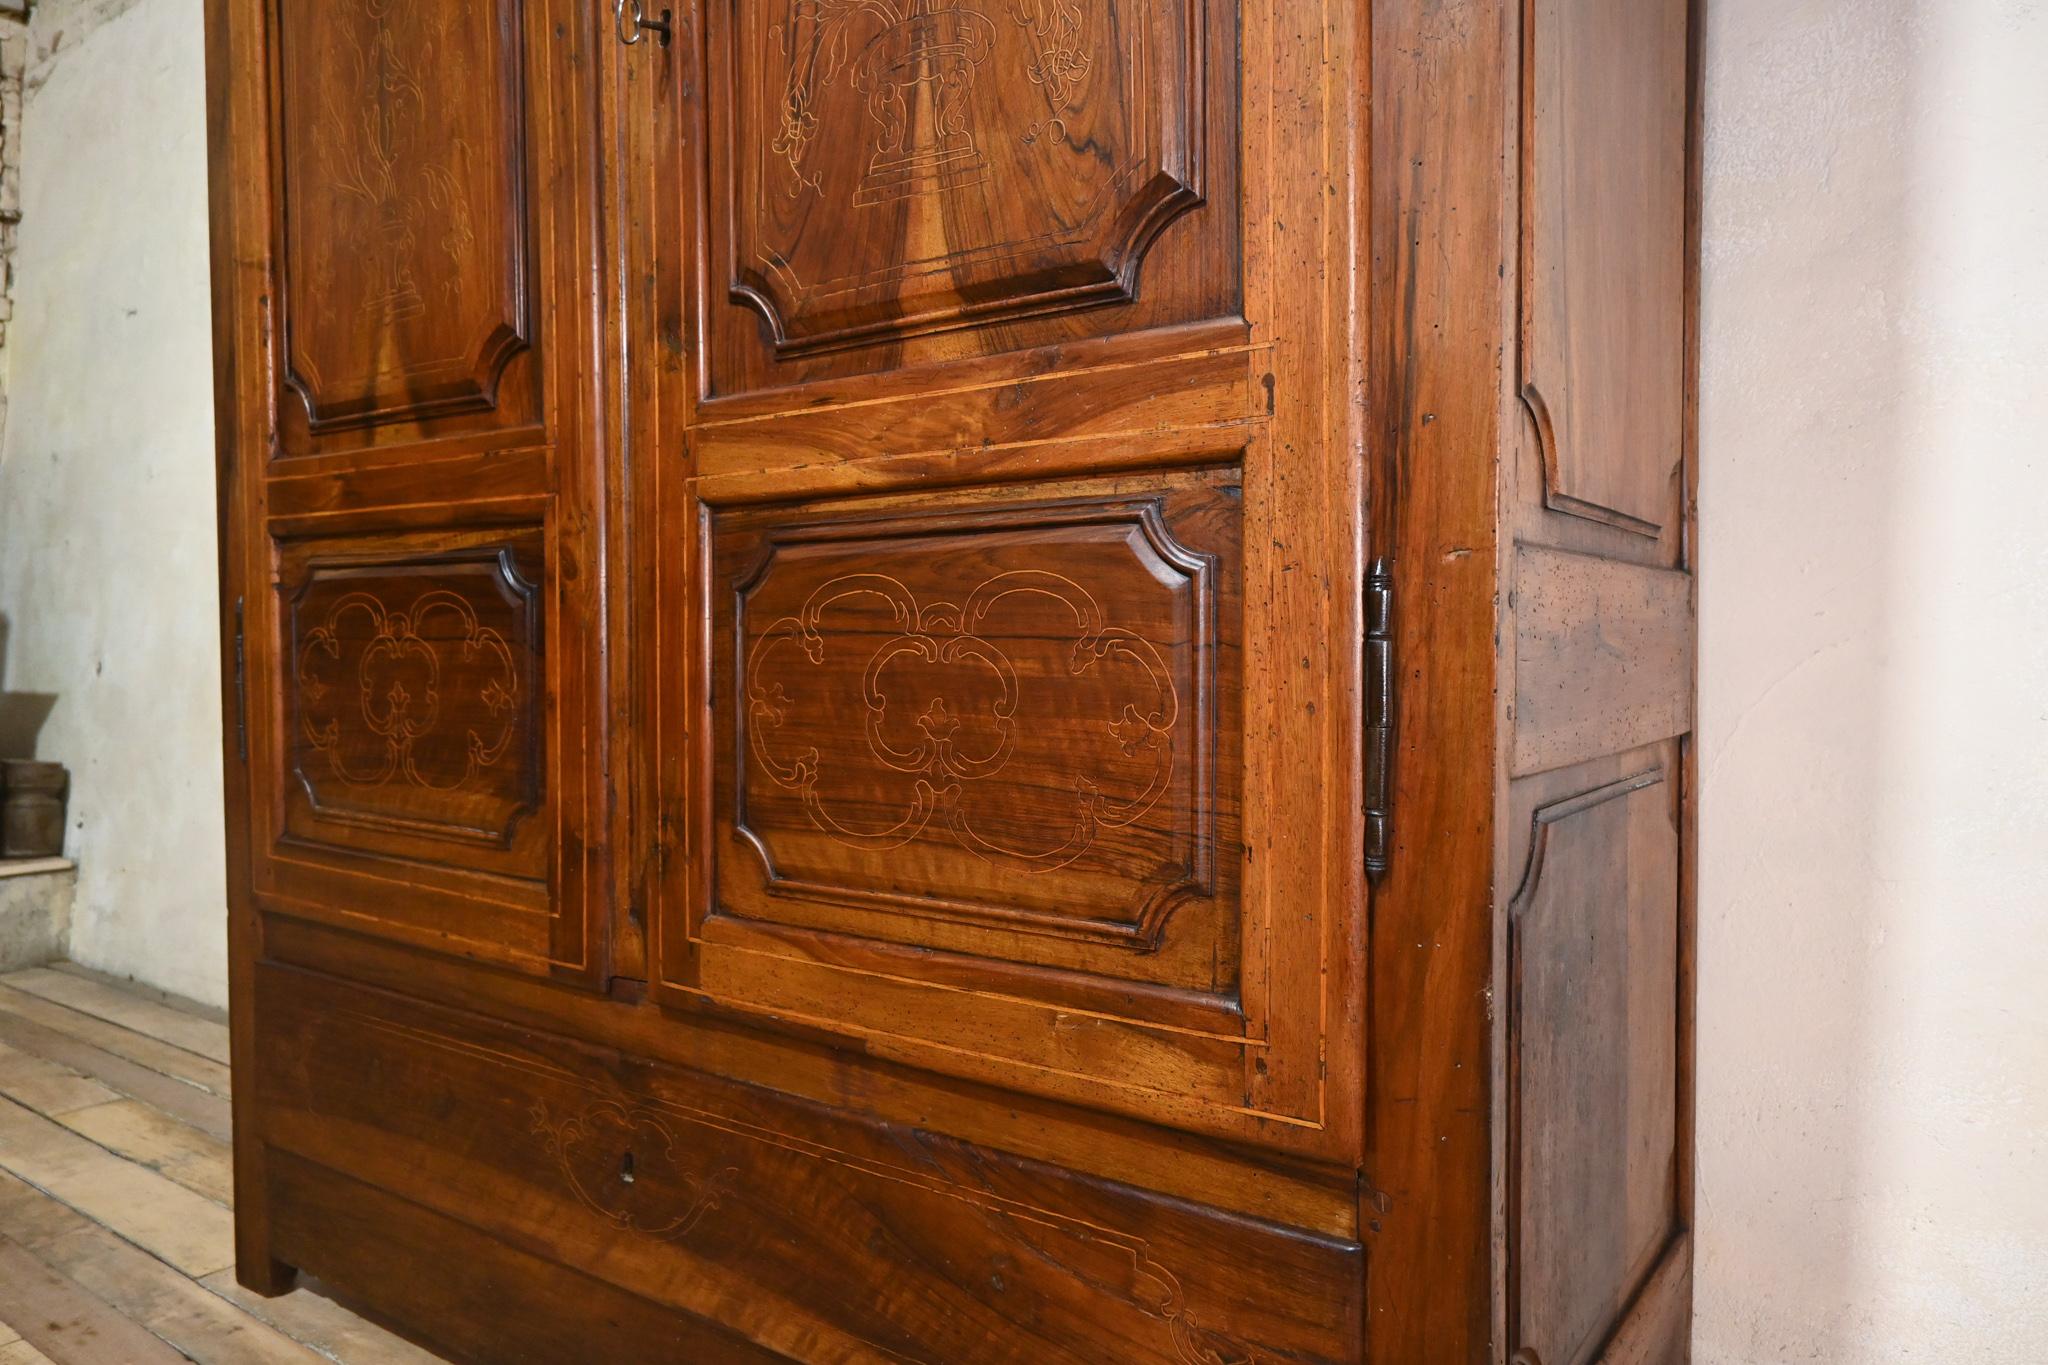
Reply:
x=625 y=1165
x=397 y=684
x=937 y=647
x=1122 y=1267
x=380 y=145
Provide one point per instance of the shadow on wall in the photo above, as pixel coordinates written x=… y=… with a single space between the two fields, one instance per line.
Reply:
x=22 y=714
x=1809 y=258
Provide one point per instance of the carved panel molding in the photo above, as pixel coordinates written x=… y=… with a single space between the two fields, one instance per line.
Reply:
x=906 y=166
x=405 y=240
x=933 y=717
x=415 y=695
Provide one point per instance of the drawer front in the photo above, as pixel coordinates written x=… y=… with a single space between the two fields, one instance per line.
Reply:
x=813 y=1233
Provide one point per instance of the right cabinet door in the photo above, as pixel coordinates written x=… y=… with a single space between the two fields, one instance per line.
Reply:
x=1008 y=559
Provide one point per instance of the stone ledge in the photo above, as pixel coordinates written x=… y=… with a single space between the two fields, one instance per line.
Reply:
x=35 y=911
x=34 y=867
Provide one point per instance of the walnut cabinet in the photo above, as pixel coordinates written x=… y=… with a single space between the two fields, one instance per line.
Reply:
x=962 y=680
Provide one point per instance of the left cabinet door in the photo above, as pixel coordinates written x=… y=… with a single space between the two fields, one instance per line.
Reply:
x=412 y=479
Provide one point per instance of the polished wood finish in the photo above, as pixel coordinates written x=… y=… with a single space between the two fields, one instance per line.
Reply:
x=804 y=722
x=898 y=168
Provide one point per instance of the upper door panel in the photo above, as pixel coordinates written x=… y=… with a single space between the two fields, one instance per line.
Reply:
x=909 y=168
x=406 y=221
x=910 y=179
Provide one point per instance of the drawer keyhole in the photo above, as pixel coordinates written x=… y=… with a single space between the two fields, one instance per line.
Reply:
x=626 y=1176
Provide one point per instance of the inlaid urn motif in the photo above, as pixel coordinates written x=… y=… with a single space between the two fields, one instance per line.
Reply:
x=918 y=76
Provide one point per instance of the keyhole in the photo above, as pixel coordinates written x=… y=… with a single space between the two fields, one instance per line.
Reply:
x=626 y=1170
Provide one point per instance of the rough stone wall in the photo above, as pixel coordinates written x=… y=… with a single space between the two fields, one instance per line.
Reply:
x=14 y=42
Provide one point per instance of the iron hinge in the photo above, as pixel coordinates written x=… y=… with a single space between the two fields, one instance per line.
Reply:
x=1379 y=718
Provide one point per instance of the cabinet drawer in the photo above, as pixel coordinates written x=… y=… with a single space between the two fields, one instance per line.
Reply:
x=810 y=1231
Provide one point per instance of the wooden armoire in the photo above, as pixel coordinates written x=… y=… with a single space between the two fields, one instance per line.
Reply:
x=962 y=680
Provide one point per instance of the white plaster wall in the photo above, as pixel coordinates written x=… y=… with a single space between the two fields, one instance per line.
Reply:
x=1873 y=1180
x=107 y=569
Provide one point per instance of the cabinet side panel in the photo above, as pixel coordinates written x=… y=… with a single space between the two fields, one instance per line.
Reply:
x=1603 y=322
x=1593 y=1073
x=1593 y=1065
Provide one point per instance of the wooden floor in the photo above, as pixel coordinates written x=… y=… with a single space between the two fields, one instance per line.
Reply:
x=116 y=1240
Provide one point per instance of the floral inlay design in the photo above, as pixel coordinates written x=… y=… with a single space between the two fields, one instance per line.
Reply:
x=383 y=149
x=396 y=687
x=1059 y=61
x=936 y=746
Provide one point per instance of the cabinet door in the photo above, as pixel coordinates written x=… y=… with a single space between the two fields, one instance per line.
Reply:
x=1005 y=641
x=411 y=466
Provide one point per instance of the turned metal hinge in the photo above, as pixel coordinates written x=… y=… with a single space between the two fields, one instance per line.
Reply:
x=241 y=689
x=1379 y=717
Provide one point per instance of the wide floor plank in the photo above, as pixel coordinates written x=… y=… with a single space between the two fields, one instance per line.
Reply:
x=143 y=1289
x=140 y=1048
x=207 y=1111
x=169 y=1221
x=130 y=986
x=162 y=1022
x=46 y=1086
x=67 y=1324
x=149 y=1137
x=324 y=1325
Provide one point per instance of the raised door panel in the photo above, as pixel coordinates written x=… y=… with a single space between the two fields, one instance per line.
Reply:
x=1604 y=157
x=404 y=741
x=894 y=181
x=976 y=781
x=978 y=574
x=1593 y=1030
x=407 y=228
x=905 y=166
x=999 y=727
x=415 y=700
